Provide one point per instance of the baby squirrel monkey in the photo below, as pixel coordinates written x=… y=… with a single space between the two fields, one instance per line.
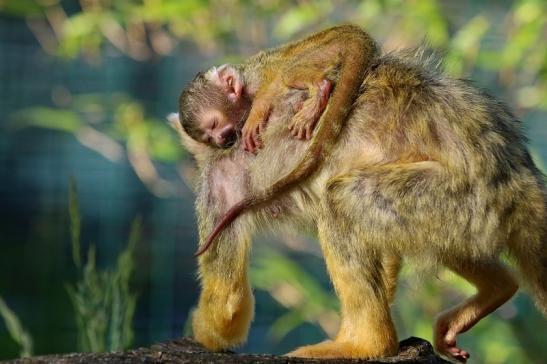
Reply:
x=222 y=101
x=224 y=104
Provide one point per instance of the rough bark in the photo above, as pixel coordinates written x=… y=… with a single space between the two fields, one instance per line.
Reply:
x=186 y=350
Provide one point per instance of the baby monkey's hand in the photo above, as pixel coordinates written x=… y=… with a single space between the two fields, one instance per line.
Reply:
x=303 y=123
x=307 y=113
x=254 y=126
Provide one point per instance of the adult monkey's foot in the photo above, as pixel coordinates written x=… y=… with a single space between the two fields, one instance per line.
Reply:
x=336 y=349
x=445 y=340
x=223 y=316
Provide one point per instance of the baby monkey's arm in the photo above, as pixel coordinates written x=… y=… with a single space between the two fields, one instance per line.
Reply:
x=307 y=113
x=303 y=123
x=306 y=65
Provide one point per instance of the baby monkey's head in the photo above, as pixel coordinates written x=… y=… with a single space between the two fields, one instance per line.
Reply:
x=214 y=106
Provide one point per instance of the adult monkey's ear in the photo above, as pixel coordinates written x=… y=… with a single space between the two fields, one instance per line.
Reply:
x=229 y=79
x=200 y=151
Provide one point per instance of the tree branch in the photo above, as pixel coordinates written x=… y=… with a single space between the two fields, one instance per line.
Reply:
x=186 y=350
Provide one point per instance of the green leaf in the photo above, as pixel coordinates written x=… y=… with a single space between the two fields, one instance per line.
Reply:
x=286 y=323
x=21 y=8
x=102 y=300
x=465 y=45
x=48 y=118
x=16 y=329
x=298 y=18
x=75 y=223
x=164 y=144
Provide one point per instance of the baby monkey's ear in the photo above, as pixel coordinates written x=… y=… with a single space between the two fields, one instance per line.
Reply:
x=229 y=79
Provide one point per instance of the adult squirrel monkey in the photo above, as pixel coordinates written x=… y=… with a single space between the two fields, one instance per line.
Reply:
x=426 y=168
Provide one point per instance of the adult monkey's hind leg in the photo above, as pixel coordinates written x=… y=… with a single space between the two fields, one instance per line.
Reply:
x=366 y=330
x=495 y=285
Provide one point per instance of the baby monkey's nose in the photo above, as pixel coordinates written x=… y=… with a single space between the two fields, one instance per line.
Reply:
x=228 y=137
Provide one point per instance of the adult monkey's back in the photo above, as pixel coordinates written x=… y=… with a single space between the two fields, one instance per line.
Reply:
x=427 y=168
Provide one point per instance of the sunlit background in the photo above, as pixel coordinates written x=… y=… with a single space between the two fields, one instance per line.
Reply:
x=105 y=262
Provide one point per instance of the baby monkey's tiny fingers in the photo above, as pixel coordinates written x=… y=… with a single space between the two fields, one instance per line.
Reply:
x=256 y=137
x=248 y=141
x=309 y=129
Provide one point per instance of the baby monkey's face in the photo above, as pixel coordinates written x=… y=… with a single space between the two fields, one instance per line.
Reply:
x=222 y=118
x=219 y=128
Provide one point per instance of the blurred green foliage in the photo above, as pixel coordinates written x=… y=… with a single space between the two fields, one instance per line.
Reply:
x=514 y=48
x=501 y=42
x=303 y=296
x=114 y=126
x=16 y=330
x=473 y=42
x=103 y=302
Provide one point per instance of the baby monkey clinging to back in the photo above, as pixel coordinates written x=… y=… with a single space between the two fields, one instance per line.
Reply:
x=215 y=107
x=222 y=101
